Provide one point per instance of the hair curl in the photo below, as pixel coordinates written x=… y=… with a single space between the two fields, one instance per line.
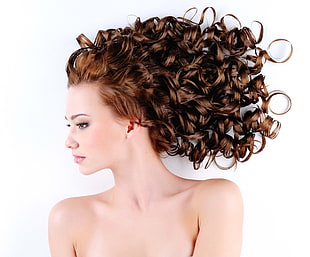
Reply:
x=199 y=91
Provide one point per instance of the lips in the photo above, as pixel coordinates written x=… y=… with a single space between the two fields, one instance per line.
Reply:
x=78 y=159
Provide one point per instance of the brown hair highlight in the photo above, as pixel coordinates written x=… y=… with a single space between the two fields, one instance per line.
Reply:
x=199 y=90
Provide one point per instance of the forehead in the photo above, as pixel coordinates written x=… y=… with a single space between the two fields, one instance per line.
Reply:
x=83 y=97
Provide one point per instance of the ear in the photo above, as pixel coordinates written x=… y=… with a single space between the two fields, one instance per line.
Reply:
x=132 y=128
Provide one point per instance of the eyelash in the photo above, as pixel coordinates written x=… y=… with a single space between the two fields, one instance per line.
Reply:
x=81 y=125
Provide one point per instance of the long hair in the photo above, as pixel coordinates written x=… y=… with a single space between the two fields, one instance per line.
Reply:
x=198 y=89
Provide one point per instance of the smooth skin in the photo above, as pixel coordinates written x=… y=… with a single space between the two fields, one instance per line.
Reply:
x=149 y=212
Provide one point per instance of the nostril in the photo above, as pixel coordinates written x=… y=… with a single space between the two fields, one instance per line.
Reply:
x=69 y=143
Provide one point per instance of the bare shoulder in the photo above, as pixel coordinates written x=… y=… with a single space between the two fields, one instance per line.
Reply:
x=66 y=207
x=65 y=223
x=220 y=213
x=71 y=211
x=218 y=185
x=214 y=194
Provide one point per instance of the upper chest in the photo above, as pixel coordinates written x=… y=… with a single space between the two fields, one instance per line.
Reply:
x=165 y=230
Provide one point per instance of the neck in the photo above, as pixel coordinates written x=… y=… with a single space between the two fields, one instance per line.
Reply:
x=143 y=180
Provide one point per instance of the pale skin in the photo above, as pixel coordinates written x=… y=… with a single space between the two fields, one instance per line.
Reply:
x=149 y=212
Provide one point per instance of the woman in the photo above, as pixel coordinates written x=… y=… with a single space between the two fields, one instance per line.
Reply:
x=163 y=85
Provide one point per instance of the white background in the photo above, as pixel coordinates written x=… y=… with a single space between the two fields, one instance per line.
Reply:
x=37 y=171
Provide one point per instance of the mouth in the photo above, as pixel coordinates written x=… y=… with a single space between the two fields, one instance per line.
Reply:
x=78 y=159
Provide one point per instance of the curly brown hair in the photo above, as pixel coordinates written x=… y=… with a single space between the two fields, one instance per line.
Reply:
x=199 y=90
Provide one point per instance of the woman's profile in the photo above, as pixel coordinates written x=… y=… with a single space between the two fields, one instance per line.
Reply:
x=163 y=85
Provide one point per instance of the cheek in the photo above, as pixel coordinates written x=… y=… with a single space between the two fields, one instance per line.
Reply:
x=95 y=139
x=105 y=139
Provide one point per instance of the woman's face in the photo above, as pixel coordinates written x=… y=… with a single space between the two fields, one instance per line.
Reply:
x=96 y=136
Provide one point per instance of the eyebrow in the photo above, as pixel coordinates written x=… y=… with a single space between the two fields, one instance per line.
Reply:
x=76 y=115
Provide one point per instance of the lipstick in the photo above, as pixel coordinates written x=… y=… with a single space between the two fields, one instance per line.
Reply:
x=78 y=159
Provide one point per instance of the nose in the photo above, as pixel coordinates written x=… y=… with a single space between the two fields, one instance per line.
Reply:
x=71 y=143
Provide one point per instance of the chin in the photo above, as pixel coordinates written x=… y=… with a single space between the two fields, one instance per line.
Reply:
x=89 y=171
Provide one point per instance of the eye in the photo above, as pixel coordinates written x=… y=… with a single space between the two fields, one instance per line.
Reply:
x=82 y=125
